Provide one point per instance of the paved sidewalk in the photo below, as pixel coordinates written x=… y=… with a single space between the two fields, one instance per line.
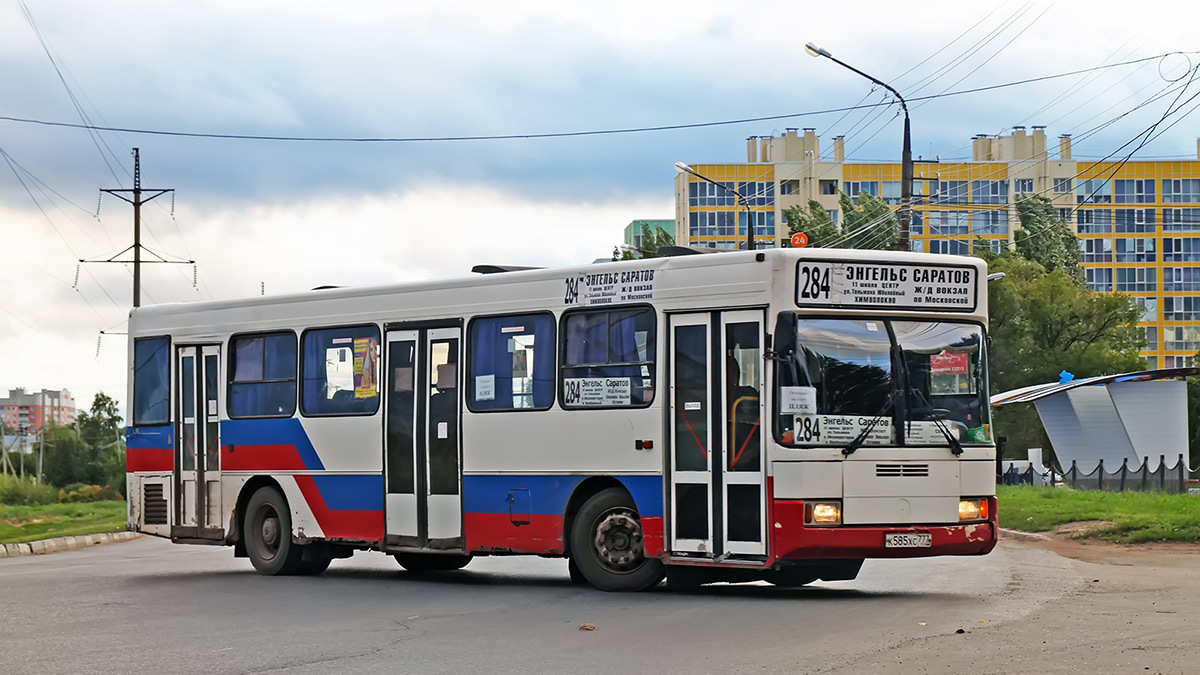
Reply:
x=64 y=544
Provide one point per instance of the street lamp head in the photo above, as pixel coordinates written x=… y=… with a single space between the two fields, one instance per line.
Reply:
x=815 y=51
x=682 y=168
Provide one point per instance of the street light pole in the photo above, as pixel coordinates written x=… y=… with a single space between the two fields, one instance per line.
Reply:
x=684 y=168
x=906 y=163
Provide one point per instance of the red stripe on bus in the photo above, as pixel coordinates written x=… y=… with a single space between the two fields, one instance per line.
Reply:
x=652 y=536
x=496 y=531
x=261 y=458
x=149 y=459
x=356 y=525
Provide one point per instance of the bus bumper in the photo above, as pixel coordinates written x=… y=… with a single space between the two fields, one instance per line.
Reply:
x=792 y=540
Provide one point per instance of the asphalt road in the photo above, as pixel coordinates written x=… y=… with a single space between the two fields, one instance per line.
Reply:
x=148 y=606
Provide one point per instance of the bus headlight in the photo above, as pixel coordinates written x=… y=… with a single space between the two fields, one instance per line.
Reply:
x=972 y=509
x=825 y=514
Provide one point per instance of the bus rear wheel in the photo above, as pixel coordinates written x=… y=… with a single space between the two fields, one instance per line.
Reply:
x=431 y=562
x=268 y=528
x=606 y=544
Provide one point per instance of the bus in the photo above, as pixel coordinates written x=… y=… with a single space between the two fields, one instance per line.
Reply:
x=777 y=415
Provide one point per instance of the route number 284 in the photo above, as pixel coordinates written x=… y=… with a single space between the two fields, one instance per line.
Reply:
x=808 y=429
x=815 y=284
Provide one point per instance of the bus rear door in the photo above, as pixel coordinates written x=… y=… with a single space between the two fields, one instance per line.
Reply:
x=197 y=493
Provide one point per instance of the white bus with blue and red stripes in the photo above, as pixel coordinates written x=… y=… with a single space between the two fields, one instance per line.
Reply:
x=775 y=415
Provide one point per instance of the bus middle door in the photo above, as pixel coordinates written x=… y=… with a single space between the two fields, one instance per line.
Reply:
x=422 y=465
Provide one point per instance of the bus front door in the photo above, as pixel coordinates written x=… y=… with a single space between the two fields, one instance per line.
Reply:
x=717 y=469
x=423 y=475
x=197 y=444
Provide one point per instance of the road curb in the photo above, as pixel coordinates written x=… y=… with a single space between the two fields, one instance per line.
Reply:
x=57 y=544
x=1023 y=536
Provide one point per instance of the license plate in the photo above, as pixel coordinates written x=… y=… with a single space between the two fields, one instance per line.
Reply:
x=908 y=540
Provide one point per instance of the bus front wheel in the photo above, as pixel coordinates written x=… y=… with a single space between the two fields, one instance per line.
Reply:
x=606 y=544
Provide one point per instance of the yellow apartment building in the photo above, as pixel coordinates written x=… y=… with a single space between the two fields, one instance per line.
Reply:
x=1138 y=223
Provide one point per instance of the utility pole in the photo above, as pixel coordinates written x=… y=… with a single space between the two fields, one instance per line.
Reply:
x=41 y=451
x=137 y=200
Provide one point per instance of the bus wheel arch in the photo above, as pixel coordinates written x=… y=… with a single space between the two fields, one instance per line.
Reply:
x=582 y=493
x=239 y=511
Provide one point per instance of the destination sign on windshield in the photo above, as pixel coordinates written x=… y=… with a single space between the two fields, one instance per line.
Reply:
x=867 y=285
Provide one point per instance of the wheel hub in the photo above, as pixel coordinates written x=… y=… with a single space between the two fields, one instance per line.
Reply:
x=270 y=533
x=618 y=541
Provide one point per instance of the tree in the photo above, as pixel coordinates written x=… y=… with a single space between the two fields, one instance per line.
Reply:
x=815 y=222
x=866 y=224
x=1047 y=239
x=1045 y=322
x=91 y=452
x=652 y=239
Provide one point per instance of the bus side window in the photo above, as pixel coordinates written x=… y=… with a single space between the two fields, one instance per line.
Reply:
x=151 y=381
x=262 y=377
x=608 y=358
x=339 y=370
x=511 y=362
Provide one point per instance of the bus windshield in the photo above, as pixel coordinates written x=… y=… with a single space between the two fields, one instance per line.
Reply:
x=889 y=382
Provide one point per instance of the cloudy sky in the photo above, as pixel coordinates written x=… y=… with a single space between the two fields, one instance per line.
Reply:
x=282 y=216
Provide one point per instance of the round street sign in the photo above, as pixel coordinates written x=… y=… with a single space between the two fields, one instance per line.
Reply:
x=799 y=240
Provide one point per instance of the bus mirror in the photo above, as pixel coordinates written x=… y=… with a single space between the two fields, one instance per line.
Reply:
x=785 y=333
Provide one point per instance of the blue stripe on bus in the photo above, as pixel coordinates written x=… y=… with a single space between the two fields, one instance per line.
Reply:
x=161 y=436
x=287 y=431
x=351 y=493
x=548 y=495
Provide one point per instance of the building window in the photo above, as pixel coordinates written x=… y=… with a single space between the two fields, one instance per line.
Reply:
x=949 y=222
x=512 y=362
x=989 y=191
x=758 y=193
x=1151 y=334
x=1023 y=186
x=1181 y=339
x=853 y=187
x=1133 y=191
x=950 y=246
x=993 y=245
x=1093 y=221
x=1093 y=191
x=1181 y=190
x=1181 y=249
x=1062 y=184
x=989 y=222
x=1134 y=220
x=764 y=223
x=608 y=358
x=1099 y=279
x=1181 y=220
x=789 y=187
x=1137 y=280
x=889 y=190
x=1135 y=249
x=263 y=375
x=339 y=371
x=950 y=192
x=1181 y=279
x=1180 y=309
x=151 y=381
x=1094 y=250
x=1149 y=307
x=703 y=193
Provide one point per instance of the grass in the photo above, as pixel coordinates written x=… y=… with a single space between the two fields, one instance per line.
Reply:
x=20 y=524
x=1135 y=516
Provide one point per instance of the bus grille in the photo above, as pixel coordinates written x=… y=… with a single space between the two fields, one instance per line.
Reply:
x=898 y=470
x=154 y=506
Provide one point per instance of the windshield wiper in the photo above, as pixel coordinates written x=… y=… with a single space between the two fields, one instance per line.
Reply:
x=936 y=415
x=861 y=438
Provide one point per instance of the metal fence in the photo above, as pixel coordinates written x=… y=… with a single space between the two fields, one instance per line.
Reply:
x=1174 y=479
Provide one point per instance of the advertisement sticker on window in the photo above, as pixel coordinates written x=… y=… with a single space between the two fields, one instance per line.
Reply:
x=366 y=360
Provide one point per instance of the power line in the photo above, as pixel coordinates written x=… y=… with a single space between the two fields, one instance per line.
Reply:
x=562 y=134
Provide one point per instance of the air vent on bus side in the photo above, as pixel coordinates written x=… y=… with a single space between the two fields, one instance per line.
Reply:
x=154 y=505
x=901 y=470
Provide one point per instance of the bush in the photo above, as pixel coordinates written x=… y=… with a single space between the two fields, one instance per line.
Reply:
x=18 y=491
x=88 y=493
